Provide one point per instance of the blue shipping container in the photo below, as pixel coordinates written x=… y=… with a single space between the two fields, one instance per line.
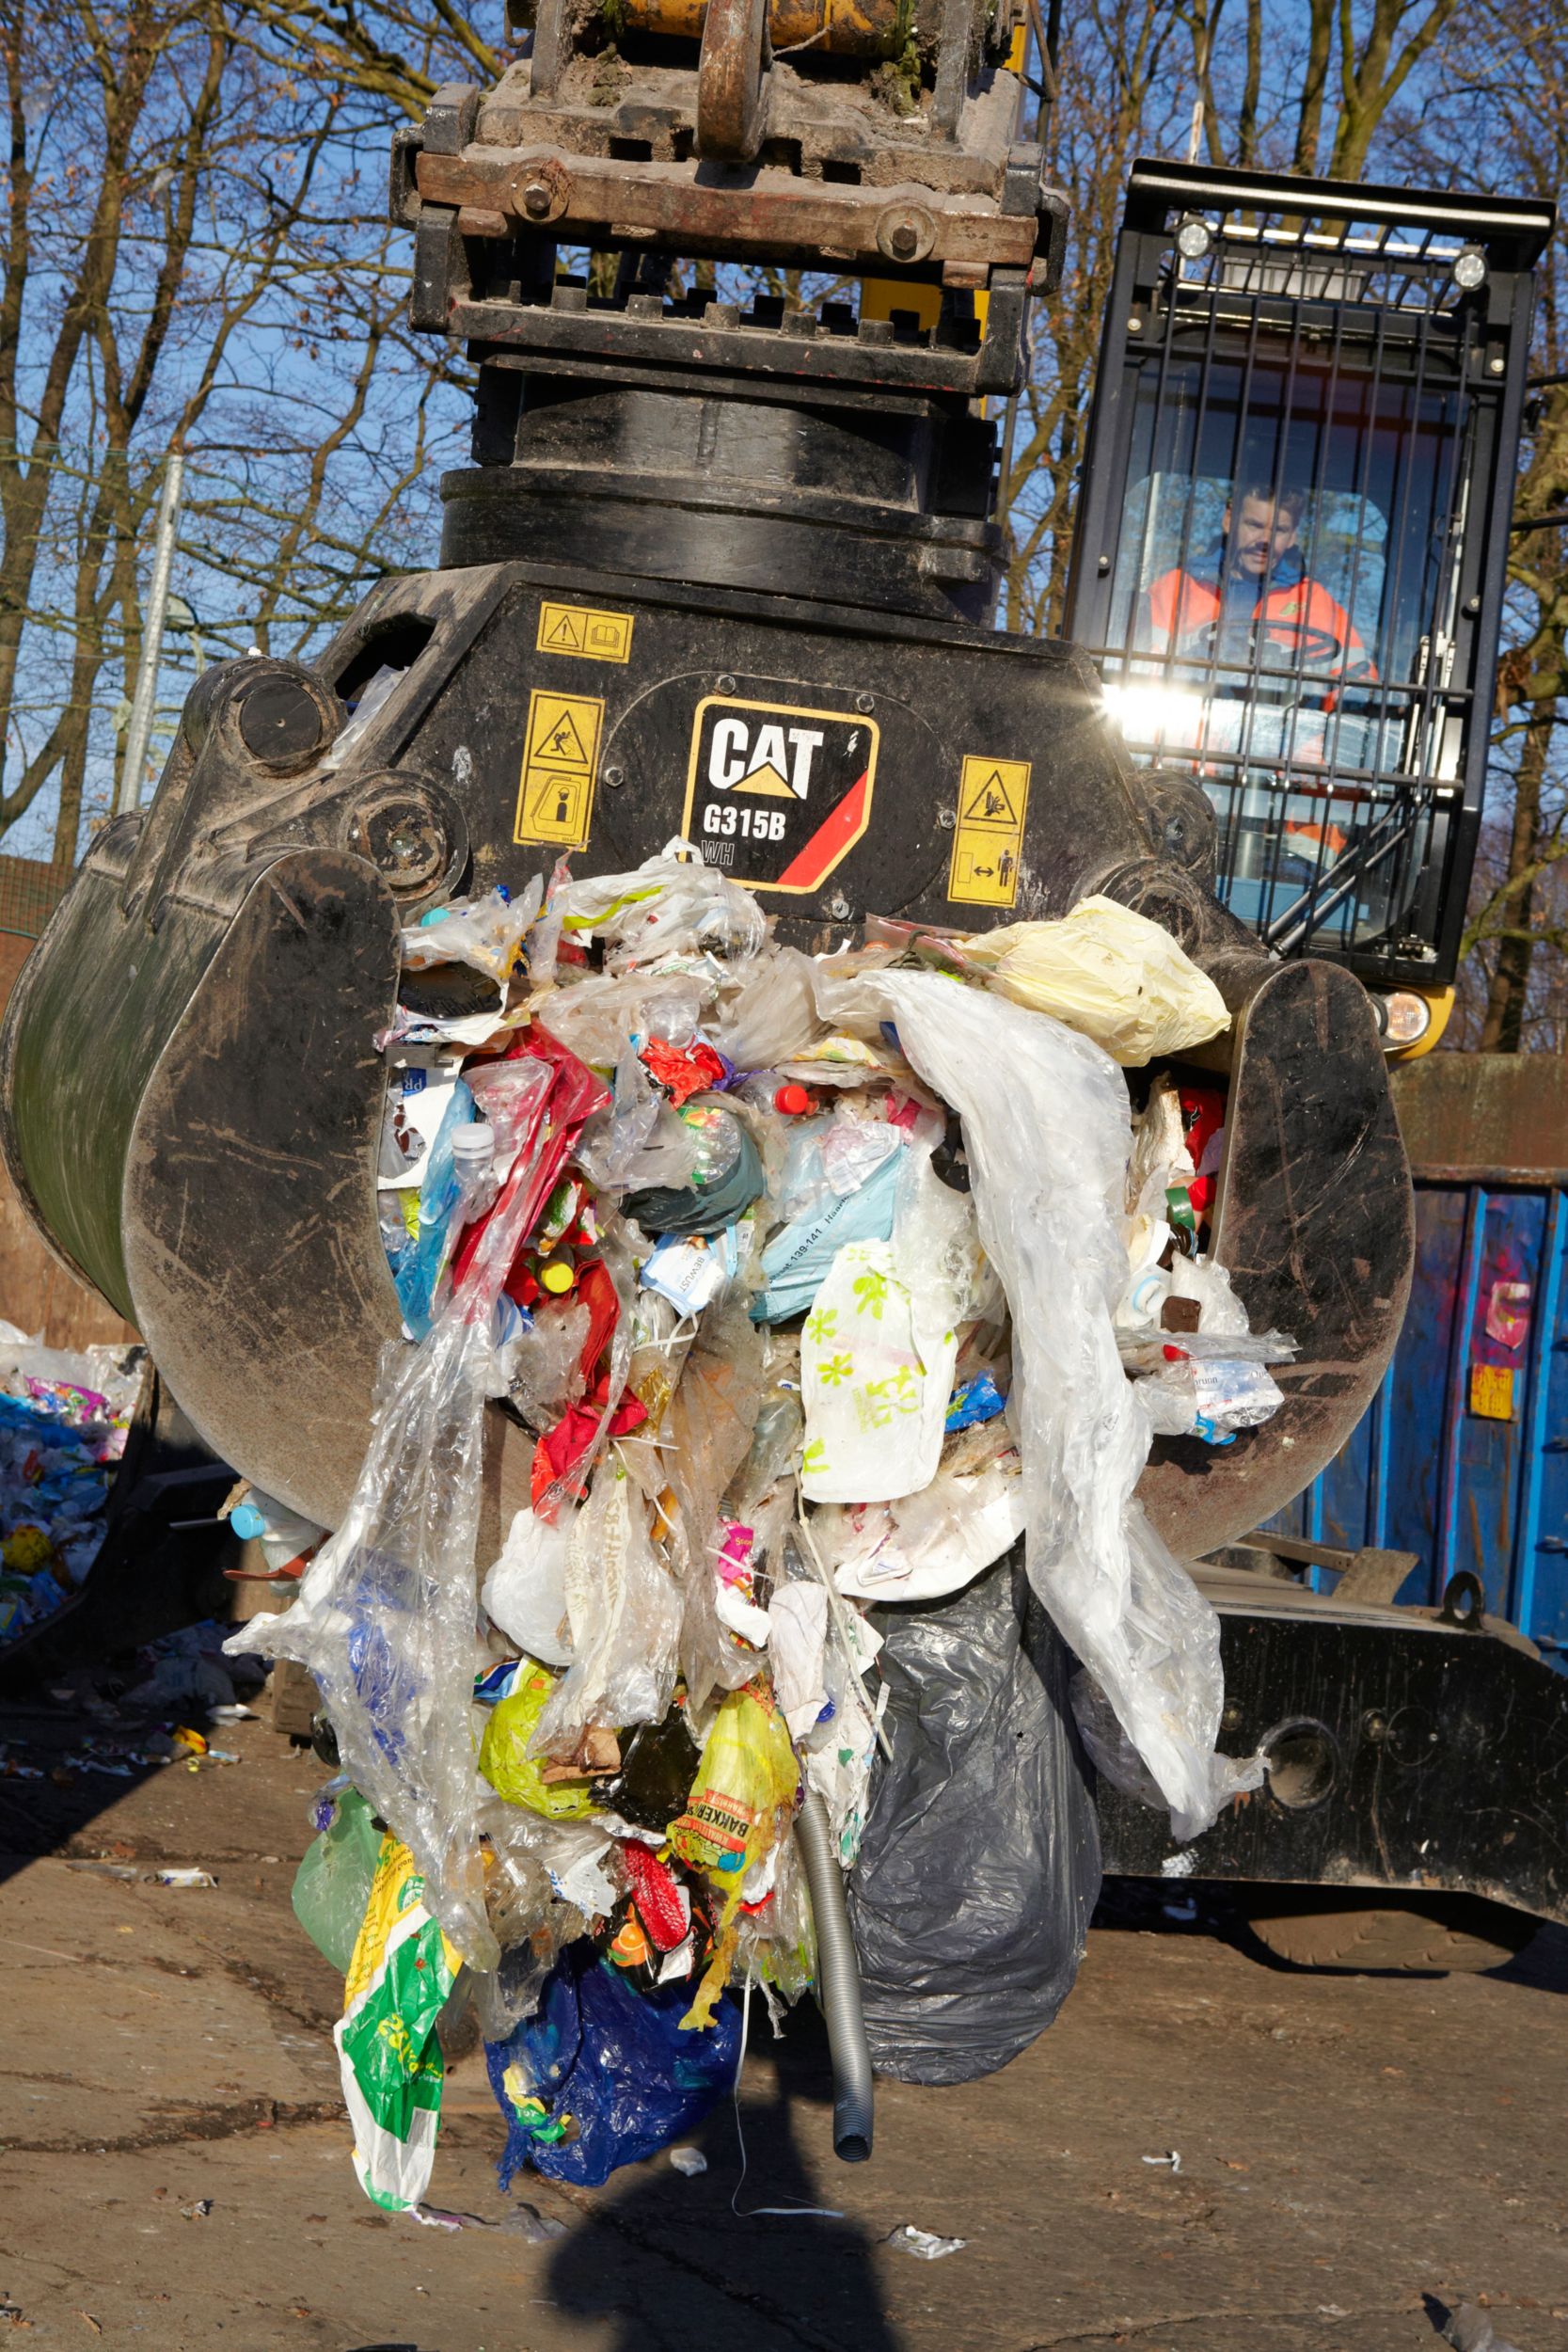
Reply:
x=1463 y=1456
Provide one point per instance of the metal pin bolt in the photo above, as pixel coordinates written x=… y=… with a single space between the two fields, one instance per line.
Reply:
x=865 y=703
x=838 y=907
x=1495 y=366
x=541 y=191
x=1134 y=326
x=726 y=684
x=906 y=234
x=613 y=776
x=946 y=819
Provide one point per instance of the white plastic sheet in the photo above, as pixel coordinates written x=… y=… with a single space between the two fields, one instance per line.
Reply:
x=385 y=1617
x=1047 y=1129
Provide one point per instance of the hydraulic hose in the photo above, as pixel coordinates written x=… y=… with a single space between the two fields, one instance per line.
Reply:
x=838 y=1985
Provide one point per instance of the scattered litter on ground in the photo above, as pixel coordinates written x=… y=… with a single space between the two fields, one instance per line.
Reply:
x=689 y=2160
x=802 y=1285
x=924 y=2243
x=1469 y=2328
x=184 y=1877
x=519 y=2220
x=1172 y=2157
x=527 y=2222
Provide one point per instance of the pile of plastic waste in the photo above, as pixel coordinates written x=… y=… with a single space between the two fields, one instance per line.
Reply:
x=840 y=1298
x=64 y=1414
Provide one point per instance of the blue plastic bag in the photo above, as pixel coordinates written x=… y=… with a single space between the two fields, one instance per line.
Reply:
x=796 y=1260
x=616 y=2061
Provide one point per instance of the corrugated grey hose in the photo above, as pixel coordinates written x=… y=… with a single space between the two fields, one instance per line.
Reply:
x=838 y=1984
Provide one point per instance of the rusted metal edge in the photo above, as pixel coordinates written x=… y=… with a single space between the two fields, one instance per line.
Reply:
x=771 y=211
x=1466 y=1173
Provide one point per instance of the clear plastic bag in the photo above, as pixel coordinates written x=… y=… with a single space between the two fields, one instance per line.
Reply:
x=387 y=1620
x=710 y=1429
x=598 y=1017
x=540 y=1369
x=485 y=933
x=1047 y=1129
x=624 y=1608
x=667 y=906
x=768 y=1014
x=637 y=1140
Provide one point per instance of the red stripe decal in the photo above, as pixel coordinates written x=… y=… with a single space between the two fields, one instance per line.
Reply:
x=833 y=836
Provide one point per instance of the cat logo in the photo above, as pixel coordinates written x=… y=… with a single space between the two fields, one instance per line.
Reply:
x=742 y=760
x=777 y=796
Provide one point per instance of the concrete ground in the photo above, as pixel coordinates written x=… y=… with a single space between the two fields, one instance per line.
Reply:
x=1356 y=2154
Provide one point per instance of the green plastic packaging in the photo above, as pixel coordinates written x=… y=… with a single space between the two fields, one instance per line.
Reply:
x=332 y=1885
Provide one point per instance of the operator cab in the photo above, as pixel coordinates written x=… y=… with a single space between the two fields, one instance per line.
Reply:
x=1291 y=542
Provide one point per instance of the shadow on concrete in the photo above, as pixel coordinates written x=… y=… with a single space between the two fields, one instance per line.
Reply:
x=696 y=2265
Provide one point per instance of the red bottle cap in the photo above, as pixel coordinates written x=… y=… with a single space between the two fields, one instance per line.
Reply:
x=792 y=1099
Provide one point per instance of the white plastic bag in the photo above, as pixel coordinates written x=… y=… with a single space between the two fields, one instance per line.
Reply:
x=624 y=1608
x=877 y=1356
x=525 y=1593
x=1047 y=1130
x=927 y=1544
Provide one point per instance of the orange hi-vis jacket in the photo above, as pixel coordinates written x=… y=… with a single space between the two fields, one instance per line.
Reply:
x=1298 y=616
x=1303 y=623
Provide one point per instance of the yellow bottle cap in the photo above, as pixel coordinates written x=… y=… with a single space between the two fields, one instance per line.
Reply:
x=557 y=1277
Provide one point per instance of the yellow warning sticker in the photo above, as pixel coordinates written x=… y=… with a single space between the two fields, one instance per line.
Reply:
x=988 y=839
x=1492 y=1391
x=590 y=635
x=561 y=759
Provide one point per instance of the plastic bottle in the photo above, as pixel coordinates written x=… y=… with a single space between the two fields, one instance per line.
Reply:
x=288 y=1539
x=719 y=1141
x=473 y=1160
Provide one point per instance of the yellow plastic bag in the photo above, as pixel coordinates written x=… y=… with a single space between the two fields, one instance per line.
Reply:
x=505 y=1762
x=746 y=1773
x=741 y=1802
x=1108 y=973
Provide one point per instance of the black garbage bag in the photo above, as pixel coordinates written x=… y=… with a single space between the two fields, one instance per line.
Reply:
x=980 y=1862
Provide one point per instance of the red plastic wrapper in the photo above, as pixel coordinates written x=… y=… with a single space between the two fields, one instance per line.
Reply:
x=662 y=1904
x=682 y=1074
x=560 y=1448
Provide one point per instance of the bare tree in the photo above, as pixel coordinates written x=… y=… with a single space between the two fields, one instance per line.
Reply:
x=193 y=253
